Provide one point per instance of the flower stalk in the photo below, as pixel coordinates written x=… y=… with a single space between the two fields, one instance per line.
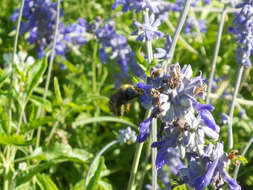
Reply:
x=176 y=35
x=216 y=53
x=154 y=120
x=243 y=154
x=231 y=113
x=52 y=56
x=15 y=47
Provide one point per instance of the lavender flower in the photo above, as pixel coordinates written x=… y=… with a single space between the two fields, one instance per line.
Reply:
x=212 y=169
x=127 y=135
x=147 y=32
x=137 y=5
x=243 y=28
x=190 y=26
x=40 y=21
x=120 y=51
x=173 y=98
x=163 y=53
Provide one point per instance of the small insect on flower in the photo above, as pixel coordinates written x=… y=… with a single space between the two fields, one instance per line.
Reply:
x=232 y=154
x=119 y=102
x=200 y=89
x=181 y=124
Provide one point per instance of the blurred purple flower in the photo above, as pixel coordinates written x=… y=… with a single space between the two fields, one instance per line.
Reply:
x=40 y=21
x=242 y=29
x=190 y=26
x=121 y=52
x=137 y=5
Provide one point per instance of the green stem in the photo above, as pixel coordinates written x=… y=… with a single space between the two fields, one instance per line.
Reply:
x=216 y=53
x=243 y=154
x=94 y=68
x=15 y=47
x=50 y=66
x=52 y=132
x=106 y=147
x=13 y=60
x=154 y=153
x=23 y=104
x=181 y=39
x=147 y=156
x=231 y=113
x=154 y=121
x=135 y=165
x=177 y=33
x=136 y=160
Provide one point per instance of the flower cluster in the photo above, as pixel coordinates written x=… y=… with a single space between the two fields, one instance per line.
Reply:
x=190 y=26
x=147 y=31
x=127 y=135
x=120 y=51
x=40 y=21
x=243 y=29
x=186 y=123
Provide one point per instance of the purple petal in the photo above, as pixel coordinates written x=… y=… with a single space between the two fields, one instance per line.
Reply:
x=144 y=130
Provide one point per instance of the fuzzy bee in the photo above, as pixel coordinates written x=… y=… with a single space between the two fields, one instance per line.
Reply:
x=119 y=102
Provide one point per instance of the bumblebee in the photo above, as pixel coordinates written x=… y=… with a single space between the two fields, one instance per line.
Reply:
x=119 y=102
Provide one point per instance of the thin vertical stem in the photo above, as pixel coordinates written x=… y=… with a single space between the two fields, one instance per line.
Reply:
x=135 y=166
x=180 y=25
x=148 y=42
x=94 y=67
x=50 y=66
x=23 y=104
x=147 y=156
x=154 y=154
x=243 y=154
x=216 y=52
x=15 y=47
x=154 y=121
x=231 y=113
x=136 y=161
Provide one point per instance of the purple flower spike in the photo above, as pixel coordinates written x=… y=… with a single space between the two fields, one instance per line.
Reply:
x=144 y=130
x=40 y=22
x=242 y=29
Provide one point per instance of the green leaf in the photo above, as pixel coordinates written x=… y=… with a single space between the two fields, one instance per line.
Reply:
x=69 y=65
x=58 y=154
x=14 y=139
x=95 y=174
x=105 y=185
x=42 y=65
x=79 y=185
x=86 y=121
x=139 y=57
x=40 y=101
x=3 y=77
x=45 y=182
x=34 y=124
x=57 y=91
x=31 y=171
x=60 y=151
x=243 y=160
